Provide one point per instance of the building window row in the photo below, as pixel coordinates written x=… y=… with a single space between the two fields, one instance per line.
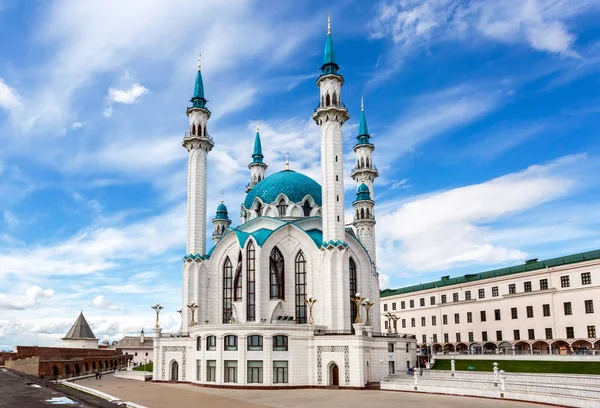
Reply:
x=254 y=343
x=569 y=332
x=254 y=371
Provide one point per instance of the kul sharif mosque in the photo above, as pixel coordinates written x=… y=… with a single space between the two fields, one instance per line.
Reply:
x=290 y=297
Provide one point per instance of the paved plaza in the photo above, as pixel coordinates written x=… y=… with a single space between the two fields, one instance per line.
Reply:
x=160 y=395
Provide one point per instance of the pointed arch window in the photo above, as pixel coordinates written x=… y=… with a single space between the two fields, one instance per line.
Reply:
x=306 y=208
x=276 y=275
x=368 y=214
x=282 y=208
x=237 y=283
x=368 y=162
x=335 y=99
x=250 y=282
x=362 y=162
x=258 y=208
x=353 y=290
x=194 y=129
x=327 y=100
x=227 y=290
x=300 y=288
x=362 y=213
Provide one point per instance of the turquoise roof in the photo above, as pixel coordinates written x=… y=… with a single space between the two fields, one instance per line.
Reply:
x=222 y=212
x=329 y=65
x=363 y=131
x=532 y=265
x=363 y=193
x=294 y=185
x=198 y=100
x=257 y=156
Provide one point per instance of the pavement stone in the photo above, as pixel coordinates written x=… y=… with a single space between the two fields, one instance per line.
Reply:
x=167 y=395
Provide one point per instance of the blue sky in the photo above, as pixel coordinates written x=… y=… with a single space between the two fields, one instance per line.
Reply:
x=484 y=114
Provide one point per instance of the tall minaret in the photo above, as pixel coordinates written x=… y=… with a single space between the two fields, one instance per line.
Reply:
x=365 y=171
x=331 y=115
x=198 y=143
x=257 y=167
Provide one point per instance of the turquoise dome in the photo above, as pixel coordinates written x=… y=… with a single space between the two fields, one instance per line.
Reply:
x=363 y=192
x=294 y=185
x=222 y=212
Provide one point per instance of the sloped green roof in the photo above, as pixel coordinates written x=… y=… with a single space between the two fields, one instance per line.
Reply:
x=529 y=266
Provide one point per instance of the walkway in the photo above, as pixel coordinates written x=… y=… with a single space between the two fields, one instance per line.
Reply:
x=158 y=395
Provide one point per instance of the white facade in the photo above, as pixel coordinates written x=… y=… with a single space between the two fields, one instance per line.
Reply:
x=549 y=307
x=247 y=316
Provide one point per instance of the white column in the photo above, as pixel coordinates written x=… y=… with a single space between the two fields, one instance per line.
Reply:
x=332 y=176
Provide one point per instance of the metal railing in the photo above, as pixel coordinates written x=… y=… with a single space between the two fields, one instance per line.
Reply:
x=321 y=332
x=371 y=167
x=336 y=105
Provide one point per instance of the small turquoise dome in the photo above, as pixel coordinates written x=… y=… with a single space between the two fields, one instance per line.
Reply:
x=294 y=185
x=363 y=193
x=222 y=212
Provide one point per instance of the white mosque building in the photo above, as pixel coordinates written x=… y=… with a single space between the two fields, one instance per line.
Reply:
x=290 y=297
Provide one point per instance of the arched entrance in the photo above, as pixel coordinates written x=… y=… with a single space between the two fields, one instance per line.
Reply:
x=67 y=370
x=77 y=369
x=174 y=371
x=489 y=348
x=93 y=365
x=54 y=371
x=522 y=347
x=475 y=348
x=560 y=347
x=540 y=347
x=334 y=374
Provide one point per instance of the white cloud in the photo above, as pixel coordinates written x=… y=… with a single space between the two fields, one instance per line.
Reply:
x=100 y=302
x=416 y=24
x=76 y=125
x=9 y=98
x=32 y=297
x=126 y=96
x=10 y=219
x=456 y=227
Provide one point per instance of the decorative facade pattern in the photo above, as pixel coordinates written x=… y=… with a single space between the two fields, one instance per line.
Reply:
x=333 y=349
x=165 y=349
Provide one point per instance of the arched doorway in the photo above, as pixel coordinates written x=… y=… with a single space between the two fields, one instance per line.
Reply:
x=86 y=367
x=93 y=365
x=475 y=348
x=174 y=371
x=67 y=370
x=54 y=371
x=334 y=374
x=77 y=369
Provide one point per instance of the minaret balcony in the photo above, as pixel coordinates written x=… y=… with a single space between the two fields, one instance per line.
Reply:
x=188 y=136
x=331 y=105
x=364 y=169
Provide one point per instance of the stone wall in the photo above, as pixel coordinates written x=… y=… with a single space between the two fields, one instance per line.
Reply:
x=6 y=355
x=26 y=365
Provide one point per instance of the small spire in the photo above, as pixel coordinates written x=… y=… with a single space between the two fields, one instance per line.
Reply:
x=287 y=160
x=199 y=61
x=362 y=103
x=256 y=125
x=329 y=25
x=221 y=197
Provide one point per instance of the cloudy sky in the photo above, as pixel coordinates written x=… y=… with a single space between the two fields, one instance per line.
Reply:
x=484 y=114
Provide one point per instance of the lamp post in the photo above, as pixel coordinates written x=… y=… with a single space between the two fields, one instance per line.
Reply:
x=157 y=308
x=310 y=302
x=389 y=318
x=368 y=304
x=193 y=306
x=180 y=311
x=357 y=299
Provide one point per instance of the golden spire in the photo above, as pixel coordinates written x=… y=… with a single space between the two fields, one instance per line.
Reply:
x=329 y=25
x=362 y=103
x=199 y=61
x=287 y=160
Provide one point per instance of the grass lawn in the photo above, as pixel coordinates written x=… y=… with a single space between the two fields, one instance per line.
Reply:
x=147 y=367
x=522 y=366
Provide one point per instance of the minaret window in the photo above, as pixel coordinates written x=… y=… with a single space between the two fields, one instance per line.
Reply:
x=327 y=100
x=367 y=162
x=277 y=275
x=368 y=215
x=282 y=208
x=362 y=213
x=362 y=162
x=250 y=283
x=306 y=208
x=335 y=99
x=300 y=288
x=353 y=290
x=227 y=291
x=193 y=129
x=238 y=279
x=258 y=208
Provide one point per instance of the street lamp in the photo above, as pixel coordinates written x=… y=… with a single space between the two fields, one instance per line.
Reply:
x=157 y=308
x=368 y=304
x=193 y=306
x=357 y=299
x=310 y=302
